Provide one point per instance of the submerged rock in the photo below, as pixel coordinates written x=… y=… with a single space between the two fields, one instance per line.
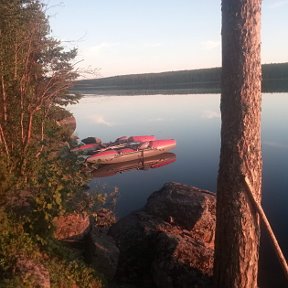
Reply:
x=169 y=243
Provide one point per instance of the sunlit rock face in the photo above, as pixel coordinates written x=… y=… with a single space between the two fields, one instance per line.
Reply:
x=72 y=227
x=170 y=242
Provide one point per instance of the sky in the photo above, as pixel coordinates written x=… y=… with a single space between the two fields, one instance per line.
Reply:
x=117 y=37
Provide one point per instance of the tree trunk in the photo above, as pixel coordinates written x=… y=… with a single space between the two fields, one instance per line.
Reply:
x=237 y=225
x=29 y=130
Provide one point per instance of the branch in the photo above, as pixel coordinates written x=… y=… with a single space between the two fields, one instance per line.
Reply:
x=4 y=98
x=268 y=227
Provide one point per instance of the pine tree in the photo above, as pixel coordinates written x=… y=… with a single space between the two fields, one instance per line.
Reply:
x=35 y=75
x=237 y=226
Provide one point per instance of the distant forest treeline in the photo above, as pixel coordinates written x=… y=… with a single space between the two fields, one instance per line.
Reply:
x=275 y=79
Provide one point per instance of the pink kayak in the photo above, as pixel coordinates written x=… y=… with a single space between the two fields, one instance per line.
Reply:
x=133 y=151
x=118 y=143
x=86 y=148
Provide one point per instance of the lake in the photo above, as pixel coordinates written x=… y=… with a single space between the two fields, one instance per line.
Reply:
x=194 y=121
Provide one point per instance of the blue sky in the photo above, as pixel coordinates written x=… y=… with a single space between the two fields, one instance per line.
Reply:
x=128 y=36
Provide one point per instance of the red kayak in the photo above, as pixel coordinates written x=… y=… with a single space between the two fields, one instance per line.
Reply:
x=120 y=142
x=131 y=151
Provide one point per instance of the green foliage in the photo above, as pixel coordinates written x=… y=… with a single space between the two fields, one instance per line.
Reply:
x=72 y=272
x=65 y=267
x=36 y=73
x=39 y=178
x=4 y=178
x=188 y=79
x=14 y=242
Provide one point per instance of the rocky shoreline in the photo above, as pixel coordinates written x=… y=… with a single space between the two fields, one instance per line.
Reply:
x=167 y=244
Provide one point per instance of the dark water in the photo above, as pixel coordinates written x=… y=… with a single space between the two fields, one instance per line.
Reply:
x=194 y=121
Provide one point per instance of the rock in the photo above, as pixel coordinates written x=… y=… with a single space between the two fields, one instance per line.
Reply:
x=72 y=227
x=170 y=243
x=136 y=246
x=91 y=140
x=181 y=261
x=90 y=236
x=176 y=202
x=102 y=254
x=188 y=207
x=101 y=251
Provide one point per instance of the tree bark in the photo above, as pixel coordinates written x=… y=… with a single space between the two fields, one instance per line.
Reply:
x=237 y=224
x=4 y=99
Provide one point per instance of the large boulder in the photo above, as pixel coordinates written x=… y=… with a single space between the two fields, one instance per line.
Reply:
x=169 y=243
x=135 y=237
x=101 y=251
x=102 y=254
x=188 y=207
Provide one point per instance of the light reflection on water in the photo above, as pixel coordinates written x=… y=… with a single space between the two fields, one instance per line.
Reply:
x=194 y=121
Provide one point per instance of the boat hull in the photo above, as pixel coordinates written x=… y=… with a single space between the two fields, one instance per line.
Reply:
x=113 y=156
x=120 y=142
x=86 y=148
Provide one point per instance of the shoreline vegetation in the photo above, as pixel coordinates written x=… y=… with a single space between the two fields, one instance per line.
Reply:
x=198 y=81
x=40 y=180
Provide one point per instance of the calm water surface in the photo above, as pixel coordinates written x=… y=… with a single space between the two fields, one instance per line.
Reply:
x=194 y=121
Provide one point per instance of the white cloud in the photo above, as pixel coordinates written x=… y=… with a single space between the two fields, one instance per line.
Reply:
x=208 y=114
x=209 y=45
x=100 y=120
x=159 y=119
x=100 y=48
